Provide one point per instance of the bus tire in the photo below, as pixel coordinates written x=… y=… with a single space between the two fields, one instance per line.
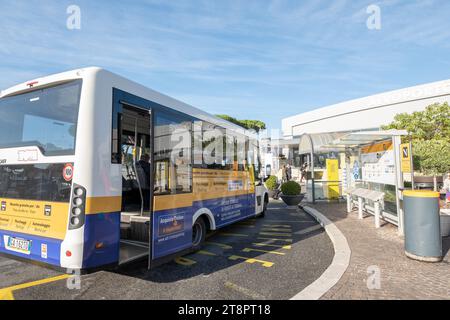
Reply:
x=198 y=234
x=266 y=203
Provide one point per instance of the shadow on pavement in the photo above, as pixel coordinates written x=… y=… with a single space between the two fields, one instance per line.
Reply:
x=215 y=257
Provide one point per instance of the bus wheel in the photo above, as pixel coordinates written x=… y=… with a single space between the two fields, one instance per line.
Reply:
x=198 y=233
x=266 y=203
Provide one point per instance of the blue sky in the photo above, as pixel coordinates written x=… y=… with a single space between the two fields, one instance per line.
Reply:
x=252 y=59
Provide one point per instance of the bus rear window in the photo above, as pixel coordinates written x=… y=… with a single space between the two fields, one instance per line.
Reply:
x=46 y=118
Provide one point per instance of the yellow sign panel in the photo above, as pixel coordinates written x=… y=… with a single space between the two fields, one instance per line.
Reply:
x=378 y=147
x=208 y=184
x=39 y=218
x=333 y=176
x=405 y=155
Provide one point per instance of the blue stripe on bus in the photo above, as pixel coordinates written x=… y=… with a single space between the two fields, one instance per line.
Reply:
x=53 y=247
x=101 y=228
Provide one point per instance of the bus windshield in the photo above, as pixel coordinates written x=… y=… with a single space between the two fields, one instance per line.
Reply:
x=46 y=118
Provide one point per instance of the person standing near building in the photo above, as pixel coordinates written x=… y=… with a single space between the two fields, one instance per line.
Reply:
x=304 y=170
x=288 y=172
x=283 y=173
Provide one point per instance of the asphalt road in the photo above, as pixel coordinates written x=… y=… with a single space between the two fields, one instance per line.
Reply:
x=264 y=258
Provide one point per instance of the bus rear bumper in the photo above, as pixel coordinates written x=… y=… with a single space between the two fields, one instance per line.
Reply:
x=44 y=250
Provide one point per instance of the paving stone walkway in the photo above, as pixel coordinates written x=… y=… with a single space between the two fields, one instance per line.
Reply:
x=383 y=250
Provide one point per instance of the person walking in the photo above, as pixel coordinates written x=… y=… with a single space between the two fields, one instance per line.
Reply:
x=288 y=172
x=283 y=173
x=304 y=170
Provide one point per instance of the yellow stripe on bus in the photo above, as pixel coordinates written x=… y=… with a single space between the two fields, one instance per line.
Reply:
x=103 y=204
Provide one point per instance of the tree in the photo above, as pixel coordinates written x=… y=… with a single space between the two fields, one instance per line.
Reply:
x=255 y=125
x=430 y=135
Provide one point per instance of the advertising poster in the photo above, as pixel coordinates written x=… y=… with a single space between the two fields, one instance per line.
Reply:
x=378 y=163
x=333 y=176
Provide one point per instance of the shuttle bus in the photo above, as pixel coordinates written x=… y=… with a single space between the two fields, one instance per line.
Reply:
x=96 y=171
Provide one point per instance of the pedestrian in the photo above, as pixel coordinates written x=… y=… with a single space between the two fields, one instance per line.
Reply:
x=283 y=173
x=304 y=172
x=288 y=172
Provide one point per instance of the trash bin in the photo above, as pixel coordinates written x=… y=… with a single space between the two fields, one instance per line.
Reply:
x=445 y=222
x=422 y=225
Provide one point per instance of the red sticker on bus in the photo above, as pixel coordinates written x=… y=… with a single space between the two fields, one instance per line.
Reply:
x=68 y=172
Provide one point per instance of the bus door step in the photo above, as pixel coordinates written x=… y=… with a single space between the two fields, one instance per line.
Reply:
x=140 y=229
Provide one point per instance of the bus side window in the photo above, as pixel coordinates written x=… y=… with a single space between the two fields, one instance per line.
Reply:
x=172 y=155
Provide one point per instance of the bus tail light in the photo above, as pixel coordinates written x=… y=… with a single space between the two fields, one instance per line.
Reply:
x=77 y=208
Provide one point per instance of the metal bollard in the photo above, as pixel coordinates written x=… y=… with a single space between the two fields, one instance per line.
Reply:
x=377 y=214
x=349 y=203
x=360 y=208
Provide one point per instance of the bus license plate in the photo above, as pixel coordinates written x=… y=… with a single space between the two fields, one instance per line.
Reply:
x=21 y=245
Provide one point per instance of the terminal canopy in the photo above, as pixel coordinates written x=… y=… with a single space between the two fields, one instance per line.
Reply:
x=318 y=142
x=358 y=139
x=339 y=141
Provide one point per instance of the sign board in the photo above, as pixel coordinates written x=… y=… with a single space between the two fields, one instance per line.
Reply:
x=378 y=163
x=405 y=156
x=333 y=176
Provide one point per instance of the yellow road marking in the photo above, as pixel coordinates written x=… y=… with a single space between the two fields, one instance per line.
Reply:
x=287 y=247
x=275 y=239
x=245 y=226
x=275 y=234
x=276 y=230
x=244 y=291
x=278 y=225
x=265 y=264
x=265 y=251
x=206 y=253
x=185 y=261
x=7 y=293
x=222 y=245
x=233 y=234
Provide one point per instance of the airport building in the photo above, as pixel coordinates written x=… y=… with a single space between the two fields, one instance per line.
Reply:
x=323 y=135
x=368 y=113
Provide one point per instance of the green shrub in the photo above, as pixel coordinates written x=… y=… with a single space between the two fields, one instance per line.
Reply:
x=290 y=188
x=272 y=183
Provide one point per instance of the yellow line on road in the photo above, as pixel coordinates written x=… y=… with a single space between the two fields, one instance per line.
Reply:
x=7 y=293
x=287 y=247
x=265 y=264
x=244 y=291
x=275 y=234
x=206 y=253
x=276 y=230
x=245 y=226
x=265 y=251
x=185 y=261
x=222 y=245
x=275 y=239
x=278 y=225
x=233 y=234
